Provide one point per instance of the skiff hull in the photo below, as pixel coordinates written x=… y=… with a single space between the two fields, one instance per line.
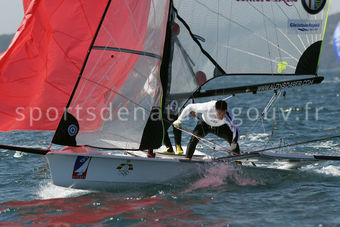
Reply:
x=110 y=172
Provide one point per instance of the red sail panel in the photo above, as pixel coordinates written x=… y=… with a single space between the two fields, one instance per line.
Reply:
x=123 y=31
x=120 y=85
x=39 y=69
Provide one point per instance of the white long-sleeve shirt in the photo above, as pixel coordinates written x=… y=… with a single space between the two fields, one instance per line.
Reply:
x=208 y=111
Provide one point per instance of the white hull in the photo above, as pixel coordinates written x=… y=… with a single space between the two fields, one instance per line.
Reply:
x=108 y=172
x=85 y=168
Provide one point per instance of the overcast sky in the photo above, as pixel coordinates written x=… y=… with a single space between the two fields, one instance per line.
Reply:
x=11 y=14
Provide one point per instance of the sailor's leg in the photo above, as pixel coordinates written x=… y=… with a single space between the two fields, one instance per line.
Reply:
x=150 y=154
x=178 y=135
x=167 y=143
x=200 y=130
x=178 y=140
x=225 y=133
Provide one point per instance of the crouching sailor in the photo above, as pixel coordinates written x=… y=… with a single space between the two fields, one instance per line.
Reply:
x=216 y=119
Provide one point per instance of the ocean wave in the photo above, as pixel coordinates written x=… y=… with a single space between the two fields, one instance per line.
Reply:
x=256 y=137
x=323 y=168
x=218 y=175
x=329 y=170
x=332 y=80
x=323 y=145
x=48 y=190
x=18 y=154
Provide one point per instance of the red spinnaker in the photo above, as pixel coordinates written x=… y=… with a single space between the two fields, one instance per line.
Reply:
x=39 y=69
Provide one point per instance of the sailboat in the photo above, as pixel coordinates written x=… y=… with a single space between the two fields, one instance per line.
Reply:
x=107 y=76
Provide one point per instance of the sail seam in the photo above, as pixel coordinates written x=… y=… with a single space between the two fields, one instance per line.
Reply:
x=88 y=54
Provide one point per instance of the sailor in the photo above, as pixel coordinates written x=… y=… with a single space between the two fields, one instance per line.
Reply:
x=216 y=119
x=178 y=136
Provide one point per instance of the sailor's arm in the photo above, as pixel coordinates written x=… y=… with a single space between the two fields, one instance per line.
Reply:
x=195 y=107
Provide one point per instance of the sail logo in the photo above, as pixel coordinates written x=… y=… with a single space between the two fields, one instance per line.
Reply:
x=287 y=84
x=72 y=130
x=313 y=6
x=174 y=105
x=305 y=26
x=287 y=2
x=125 y=168
x=281 y=66
x=80 y=167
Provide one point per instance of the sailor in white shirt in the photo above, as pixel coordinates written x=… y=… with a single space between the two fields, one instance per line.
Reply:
x=216 y=119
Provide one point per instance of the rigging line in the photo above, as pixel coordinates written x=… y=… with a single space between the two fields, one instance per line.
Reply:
x=120 y=50
x=265 y=28
x=303 y=44
x=228 y=97
x=97 y=83
x=228 y=35
x=223 y=149
x=92 y=72
x=269 y=19
x=256 y=55
x=307 y=37
x=133 y=20
x=107 y=71
x=198 y=43
x=121 y=95
x=277 y=37
x=252 y=32
x=124 y=57
x=88 y=55
x=298 y=12
x=217 y=30
x=311 y=35
x=315 y=35
x=294 y=144
x=264 y=131
x=269 y=104
x=203 y=140
x=322 y=16
x=190 y=63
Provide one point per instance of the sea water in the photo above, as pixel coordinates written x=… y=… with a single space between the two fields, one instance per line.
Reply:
x=222 y=195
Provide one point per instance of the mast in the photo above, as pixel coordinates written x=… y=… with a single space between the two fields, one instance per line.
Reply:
x=68 y=123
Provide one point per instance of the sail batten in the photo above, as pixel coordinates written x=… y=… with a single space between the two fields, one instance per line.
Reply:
x=117 y=49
